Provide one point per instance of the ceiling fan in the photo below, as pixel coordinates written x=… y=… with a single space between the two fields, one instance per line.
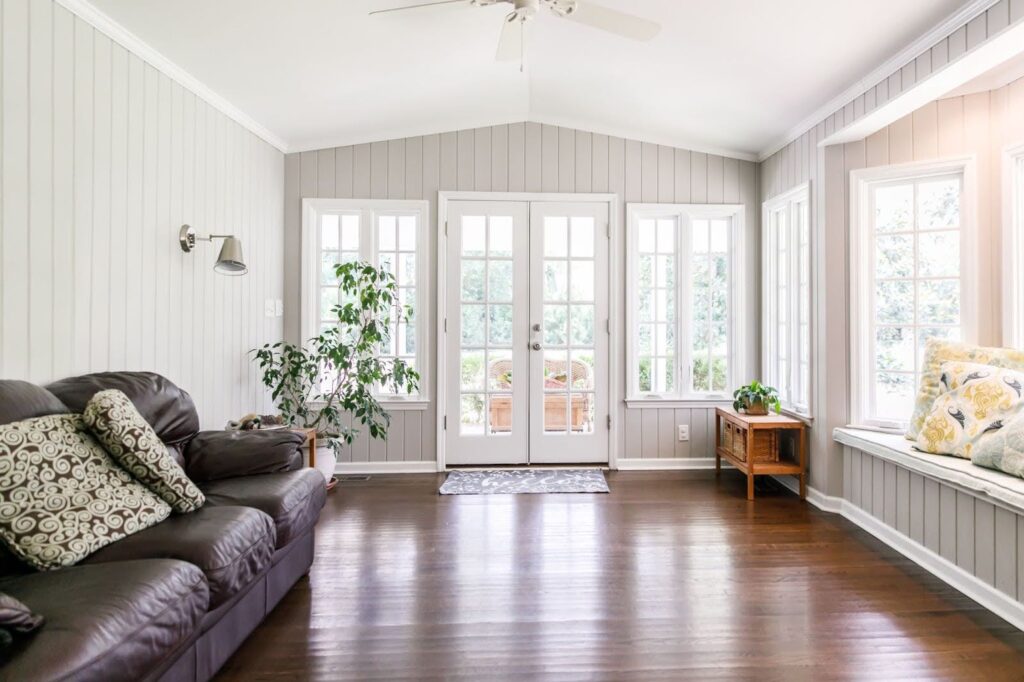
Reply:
x=512 y=41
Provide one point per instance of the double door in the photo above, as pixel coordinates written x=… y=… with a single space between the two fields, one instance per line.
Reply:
x=526 y=333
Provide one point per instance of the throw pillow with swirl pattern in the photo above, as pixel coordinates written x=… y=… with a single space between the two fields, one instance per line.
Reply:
x=132 y=442
x=62 y=497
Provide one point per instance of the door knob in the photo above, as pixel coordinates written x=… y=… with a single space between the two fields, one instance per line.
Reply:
x=536 y=346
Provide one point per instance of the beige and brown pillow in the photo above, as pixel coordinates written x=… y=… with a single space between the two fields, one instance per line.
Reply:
x=61 y=495
x=132 y=442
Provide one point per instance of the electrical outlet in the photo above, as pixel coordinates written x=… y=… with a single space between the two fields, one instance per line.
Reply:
x=684 y=432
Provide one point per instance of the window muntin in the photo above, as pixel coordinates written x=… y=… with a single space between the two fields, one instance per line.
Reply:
x=387 y=233
x=787 y=298
x=681 y=299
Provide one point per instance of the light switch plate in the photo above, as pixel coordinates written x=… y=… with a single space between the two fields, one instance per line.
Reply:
x=268 y=307
x=279 y=307
x=684 y=432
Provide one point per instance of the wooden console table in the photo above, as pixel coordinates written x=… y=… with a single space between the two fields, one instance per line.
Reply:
x=752 y=445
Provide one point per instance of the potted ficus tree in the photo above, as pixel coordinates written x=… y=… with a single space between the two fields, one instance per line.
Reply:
x=340 y=371
x=755 y=399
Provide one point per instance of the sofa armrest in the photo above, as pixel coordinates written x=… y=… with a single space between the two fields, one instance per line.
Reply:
x=213 y=455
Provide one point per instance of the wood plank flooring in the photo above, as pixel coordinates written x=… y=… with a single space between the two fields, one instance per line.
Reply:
x=674 y=575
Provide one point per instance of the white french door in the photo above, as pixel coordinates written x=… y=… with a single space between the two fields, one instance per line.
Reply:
x=526 y=333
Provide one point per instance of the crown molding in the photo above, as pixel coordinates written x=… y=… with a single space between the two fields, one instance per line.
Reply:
x=947 y=26
x=86 y=11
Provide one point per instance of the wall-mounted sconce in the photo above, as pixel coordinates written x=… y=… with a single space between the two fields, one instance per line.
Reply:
x=229 y=262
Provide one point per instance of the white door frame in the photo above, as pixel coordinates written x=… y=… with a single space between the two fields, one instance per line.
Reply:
x=615 y=313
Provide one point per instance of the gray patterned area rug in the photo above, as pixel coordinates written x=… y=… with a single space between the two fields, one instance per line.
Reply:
x=515 y=481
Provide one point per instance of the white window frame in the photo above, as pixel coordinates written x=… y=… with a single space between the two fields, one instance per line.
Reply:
x=1013 y=246
x=862 y=271
x=684 y=214
x=368 y=210
x=789 y=202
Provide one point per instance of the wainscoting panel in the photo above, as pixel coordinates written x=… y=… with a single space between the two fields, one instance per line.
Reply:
x=983 y=539
x=522 y=157
x=104 y=157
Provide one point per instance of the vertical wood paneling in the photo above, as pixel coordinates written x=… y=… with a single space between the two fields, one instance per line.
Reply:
x=947 y=523
x=856 y=485
x=1006 y=551
x=395 y=170
x=965 y=527
x=932 y=516
x=649 y=172
x=104 y=158
x=583 y=171
x=917 y=508
x=566 y=160
x=516 y=157
x=482 y=159
x=499 y=158
x=985 y=541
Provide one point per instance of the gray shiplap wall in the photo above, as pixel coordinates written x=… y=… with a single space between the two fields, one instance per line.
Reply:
x=104 y=157
x=984 y=539
x=980 y=125
x=520 y=157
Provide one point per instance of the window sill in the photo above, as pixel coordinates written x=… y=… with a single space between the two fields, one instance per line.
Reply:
x=670 y=403
x=403 y=404
x=805 y=418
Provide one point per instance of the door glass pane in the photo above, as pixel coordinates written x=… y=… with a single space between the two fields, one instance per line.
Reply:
x=556 y=323
x=474 y=236
x=473 y=280
x=555 y=284
x=556 y=418
x=500 y=325
x=472 y=370
x=581 y=413
x=350 y=232
x=386 y=238
x=471 y=415
x=582 y=280
x=501 y=237
x=473 y=325
x=499 y=279
x=556 y=237
x=499 y=414
x=582 y=373
x=582 y=237
x=582 y=325
x=499 y=372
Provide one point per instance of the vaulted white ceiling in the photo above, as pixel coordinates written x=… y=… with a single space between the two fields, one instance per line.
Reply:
x=725 y=75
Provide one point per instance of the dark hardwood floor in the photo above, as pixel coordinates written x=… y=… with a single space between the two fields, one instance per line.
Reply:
x=672 y=576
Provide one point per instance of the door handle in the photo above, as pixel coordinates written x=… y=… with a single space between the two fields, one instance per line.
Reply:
x=536 y=346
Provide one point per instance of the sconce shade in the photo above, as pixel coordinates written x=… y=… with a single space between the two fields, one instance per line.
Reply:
x=230 y=261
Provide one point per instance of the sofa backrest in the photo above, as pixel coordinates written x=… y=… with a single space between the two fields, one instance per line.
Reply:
x=167 y=408
x=21 y=400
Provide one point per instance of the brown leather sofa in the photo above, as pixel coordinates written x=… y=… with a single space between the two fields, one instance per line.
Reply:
x=174 y=601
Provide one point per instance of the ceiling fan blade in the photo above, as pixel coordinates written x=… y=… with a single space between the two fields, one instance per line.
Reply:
x=614 y=21
x=510 y=44
x=422 y=4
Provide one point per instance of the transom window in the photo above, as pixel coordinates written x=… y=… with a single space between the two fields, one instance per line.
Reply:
x=786 y=289
x=682 y=279
x=389 y=234
x=908 y=284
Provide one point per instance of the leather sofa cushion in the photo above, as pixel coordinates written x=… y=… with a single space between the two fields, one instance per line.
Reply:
x=111 y=622
x=167 y=408
x=213 y=455
x=231 y=545
x=20 y=400
x=292 y=499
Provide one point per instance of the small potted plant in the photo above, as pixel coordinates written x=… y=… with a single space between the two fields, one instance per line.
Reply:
x=341 y=371
x=755 y=399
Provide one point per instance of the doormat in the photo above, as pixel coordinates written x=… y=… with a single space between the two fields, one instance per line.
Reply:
x=519 y=481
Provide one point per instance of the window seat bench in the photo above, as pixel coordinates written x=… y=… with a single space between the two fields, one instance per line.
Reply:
x=988 y=484
x=961 y=522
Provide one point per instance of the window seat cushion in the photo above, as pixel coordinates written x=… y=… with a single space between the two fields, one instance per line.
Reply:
x=993 y=485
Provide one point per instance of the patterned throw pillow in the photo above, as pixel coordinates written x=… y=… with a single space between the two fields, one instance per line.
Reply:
x=980 y=400
x=61 y=495
x=936 y=352
x=132 y=442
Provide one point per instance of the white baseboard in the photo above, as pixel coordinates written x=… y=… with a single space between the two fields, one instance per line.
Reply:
x=668 y=464
x=351 y=468
x=1002 y=605
x=992 y=599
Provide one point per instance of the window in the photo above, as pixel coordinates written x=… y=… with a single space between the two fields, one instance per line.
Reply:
x=390 y=234
x=1014 y=250
x=684 y=281
x=786 y=289
x=909 y=280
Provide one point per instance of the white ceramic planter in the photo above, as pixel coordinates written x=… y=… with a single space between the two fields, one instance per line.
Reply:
x=325 y=461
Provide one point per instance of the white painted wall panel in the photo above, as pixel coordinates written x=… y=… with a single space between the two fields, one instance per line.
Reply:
x=103 y=159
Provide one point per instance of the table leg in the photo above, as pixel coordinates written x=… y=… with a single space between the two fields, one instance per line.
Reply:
x=718 y=441
x=803 y=463
x=750 y=464
x=312 y=450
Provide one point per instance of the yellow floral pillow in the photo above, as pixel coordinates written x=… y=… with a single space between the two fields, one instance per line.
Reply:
x=937 y=352
x=979 y=401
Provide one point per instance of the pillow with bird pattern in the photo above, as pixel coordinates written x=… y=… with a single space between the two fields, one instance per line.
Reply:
x=978 y=400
